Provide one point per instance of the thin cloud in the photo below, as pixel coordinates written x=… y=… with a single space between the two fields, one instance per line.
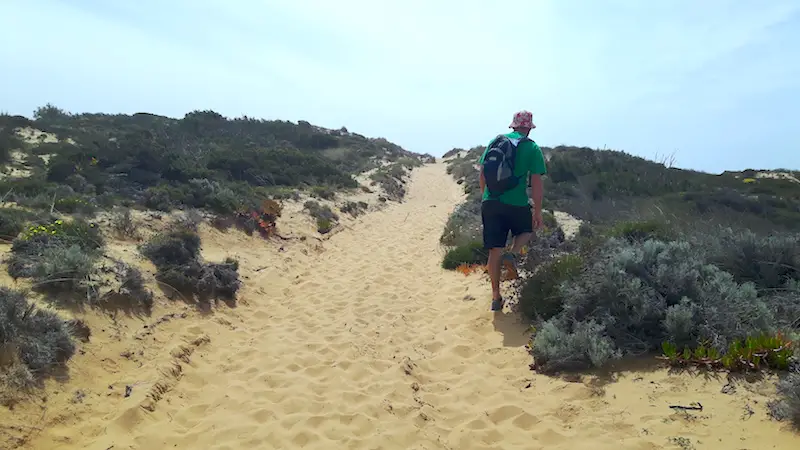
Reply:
x=640 y=76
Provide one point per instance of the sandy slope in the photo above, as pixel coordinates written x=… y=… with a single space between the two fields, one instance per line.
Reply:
x=368 y=344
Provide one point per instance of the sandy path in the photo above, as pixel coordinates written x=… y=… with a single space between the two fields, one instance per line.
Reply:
x=370 y=345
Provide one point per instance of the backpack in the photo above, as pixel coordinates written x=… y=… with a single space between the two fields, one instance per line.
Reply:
x=498 y=165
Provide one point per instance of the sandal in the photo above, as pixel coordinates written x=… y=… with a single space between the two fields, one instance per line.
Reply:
x=497 y=305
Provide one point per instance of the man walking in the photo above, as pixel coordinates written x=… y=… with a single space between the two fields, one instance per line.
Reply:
x=507 y=164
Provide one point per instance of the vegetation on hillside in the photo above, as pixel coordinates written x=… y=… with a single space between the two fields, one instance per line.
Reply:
x=236 y=171
x=695 y=268
x=203 y=160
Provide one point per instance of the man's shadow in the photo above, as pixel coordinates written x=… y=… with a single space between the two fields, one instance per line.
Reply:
x=516 y=333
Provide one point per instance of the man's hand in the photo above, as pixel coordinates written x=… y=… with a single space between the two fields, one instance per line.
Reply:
x=538 y=222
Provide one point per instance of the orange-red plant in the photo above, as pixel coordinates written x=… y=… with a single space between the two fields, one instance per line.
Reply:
x=468 y=269
x=263 y=220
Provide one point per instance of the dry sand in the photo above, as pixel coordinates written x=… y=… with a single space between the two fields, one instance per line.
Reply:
x=363 y=342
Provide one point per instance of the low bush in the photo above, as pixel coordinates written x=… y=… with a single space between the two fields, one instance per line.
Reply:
x=32 y=342
x=768 y=261
x=326 y=218
x=128 y=289
x=549 y=219
x=175 y=248
x=586 y=230
x=59 y=256
x=75 y=204
x=787 y=405
x=463 y=226
x=8 y=143
x=324 y=226
x=219 y=280
x=391 y=179
x=123 y=225
x=427 y=159
x=559 y=345
x=285 y=194
x=176 y=255
x=62 y=268
x=261 y=219
x=468 y=254
x=355 y=209
x=323 y=192
x=785 y=305
x=641 y=230
x=540 y=296
x=12 y=222
x=636 y=295
x=65 y=257
x=190 y=219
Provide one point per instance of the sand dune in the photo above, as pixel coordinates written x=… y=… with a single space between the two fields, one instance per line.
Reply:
x=363 y=342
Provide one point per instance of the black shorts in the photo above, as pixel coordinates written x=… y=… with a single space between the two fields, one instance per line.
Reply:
x=500 y=218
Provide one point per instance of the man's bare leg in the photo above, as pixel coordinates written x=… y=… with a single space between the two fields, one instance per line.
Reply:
x=516 y=249
x=519 y=242
x=495 y=254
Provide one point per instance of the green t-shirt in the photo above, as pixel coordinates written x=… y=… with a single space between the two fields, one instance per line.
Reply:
x=530 y=161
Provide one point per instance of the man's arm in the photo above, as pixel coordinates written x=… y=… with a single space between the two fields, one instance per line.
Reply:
x=537 y=192
x=537 y=169
x=481 y=178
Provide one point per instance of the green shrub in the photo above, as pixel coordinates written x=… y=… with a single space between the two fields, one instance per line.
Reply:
x=323 y=192
x=130 y=287
x=207 y=281
x=639 y=294
x=355 y=209
x=463 y=226
x=8 y=143
x=30 y=251
x=59 y=256
x=74 y=204
x=33 y=342
x=176 y=255
x=641 y=231
x=219 y=280
x=61 y=268
x=175 y=248
x=471 y=253
x=540 y=296
x=769 y=261
x=452 y=152
x=788 y=404
x=326 y=218
x=162 y=198
x=285 y=194
x=409 y=162
x=585 y=230
x=549 y=219
x=123 y=224
x=324 y=226
x=12 y=222
x=559 y=346
x=391 y=179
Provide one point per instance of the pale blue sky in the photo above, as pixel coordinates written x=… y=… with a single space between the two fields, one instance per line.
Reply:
x=715 y=81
